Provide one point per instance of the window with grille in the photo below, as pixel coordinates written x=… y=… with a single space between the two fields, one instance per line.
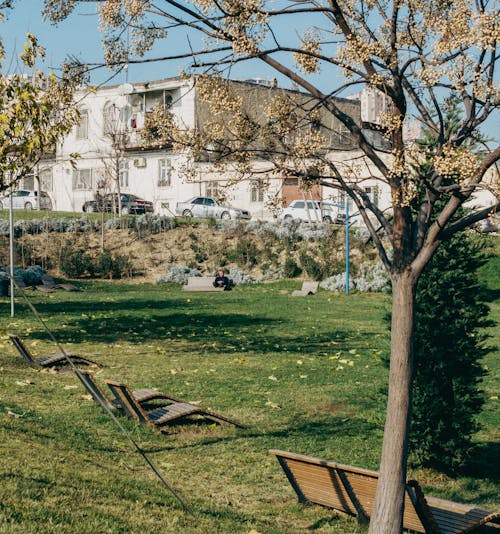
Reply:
x=164 y=173
x=373 y=194
x=123 y=173
x=82 y=180
x=344 y=135
x=256 y=192
x=82 y=128
x=109 y=122
x=212 y=189
x=45 y=177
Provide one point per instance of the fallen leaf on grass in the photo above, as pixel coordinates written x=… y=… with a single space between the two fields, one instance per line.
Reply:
x=24 y=383
x=273 y=378
x=70 y=387
x=273 y=405
x=87 y=397
x=13 y=414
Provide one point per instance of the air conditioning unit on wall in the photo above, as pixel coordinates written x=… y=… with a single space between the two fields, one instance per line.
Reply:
x=140 y=163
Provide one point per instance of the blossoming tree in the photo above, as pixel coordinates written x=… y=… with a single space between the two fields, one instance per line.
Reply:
x=36 y=111
x=416 y=52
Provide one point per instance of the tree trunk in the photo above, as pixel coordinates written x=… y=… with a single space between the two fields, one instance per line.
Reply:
x=387 y=515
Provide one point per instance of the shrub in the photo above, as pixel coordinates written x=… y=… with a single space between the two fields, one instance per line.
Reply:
x=290 y=267
x=109 y=266
x=244 y=254
x=448 y=348
x=240 y=278
x=75 y=263
x=449 y=315
x=311 y=265
x=178 y=274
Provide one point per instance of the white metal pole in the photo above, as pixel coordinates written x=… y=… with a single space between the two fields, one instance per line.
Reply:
x=11 y=251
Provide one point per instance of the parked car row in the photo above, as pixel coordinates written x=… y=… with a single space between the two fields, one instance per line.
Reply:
x=200 y=207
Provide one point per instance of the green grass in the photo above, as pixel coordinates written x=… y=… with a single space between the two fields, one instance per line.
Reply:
x=303 y=375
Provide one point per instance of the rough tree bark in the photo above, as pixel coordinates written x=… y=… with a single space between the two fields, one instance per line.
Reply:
x=389 y=501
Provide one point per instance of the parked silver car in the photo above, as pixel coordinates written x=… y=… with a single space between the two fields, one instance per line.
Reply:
x=312 y=211
x=27 y=199
x=206 y=207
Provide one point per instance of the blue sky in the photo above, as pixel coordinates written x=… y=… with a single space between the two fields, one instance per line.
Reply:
x=78 y=36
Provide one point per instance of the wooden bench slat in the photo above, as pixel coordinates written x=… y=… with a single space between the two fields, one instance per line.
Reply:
x=352 y=490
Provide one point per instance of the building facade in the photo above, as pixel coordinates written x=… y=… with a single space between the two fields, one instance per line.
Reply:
x=105 y=152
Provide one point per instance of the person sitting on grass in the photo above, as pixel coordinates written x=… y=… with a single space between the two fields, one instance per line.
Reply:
x=221 y=280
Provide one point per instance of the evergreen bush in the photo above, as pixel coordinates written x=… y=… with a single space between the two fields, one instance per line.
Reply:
x=75 y=263
x=449 y=345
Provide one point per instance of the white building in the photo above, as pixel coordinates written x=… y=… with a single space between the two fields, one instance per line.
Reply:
x=109 y=146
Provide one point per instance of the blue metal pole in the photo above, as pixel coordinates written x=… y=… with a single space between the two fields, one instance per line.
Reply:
x=347 y=247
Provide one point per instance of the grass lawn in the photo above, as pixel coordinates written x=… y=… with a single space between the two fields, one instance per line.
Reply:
x=303 y=375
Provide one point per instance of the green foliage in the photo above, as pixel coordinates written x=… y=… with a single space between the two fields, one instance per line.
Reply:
x=75 y=263
x=245 y=253
x=36 y=111
x=290 y=267
x=310 y=265
x=449 y=346
x=109 y=266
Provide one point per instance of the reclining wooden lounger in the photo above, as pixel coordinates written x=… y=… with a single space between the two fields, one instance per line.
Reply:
x=351 y=490
x=142 y=396
x=308 y=288
x=57 y=358
x=165 y=414
x=201 y=283
x=49 y=284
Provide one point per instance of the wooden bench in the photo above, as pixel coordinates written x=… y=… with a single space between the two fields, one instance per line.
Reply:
x=164 y=415
x=308 y=288
x=201 y=283
x=351 y=490
x=56 y=359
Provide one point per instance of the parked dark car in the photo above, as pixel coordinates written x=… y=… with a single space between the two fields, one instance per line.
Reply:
x=109 y=203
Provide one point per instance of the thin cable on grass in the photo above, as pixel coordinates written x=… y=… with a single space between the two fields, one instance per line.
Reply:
x=138 y=449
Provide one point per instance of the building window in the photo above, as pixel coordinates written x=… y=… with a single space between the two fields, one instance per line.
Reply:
x=257 y=192
x=291 y=181
x=45 y=177
x=212 y=189
x=344 y=135
x=82 y=128
x=123 y=173
x=82 y=180
x=164 y=172
x=373 y=194
x=109 y=119
x=28 y=182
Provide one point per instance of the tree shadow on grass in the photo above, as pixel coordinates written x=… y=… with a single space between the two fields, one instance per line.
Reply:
x=484 y=462
x=226 y=334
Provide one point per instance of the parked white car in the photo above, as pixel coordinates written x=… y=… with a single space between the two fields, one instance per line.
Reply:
x=206 y=207
x=27 y=199
x=312 y=211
